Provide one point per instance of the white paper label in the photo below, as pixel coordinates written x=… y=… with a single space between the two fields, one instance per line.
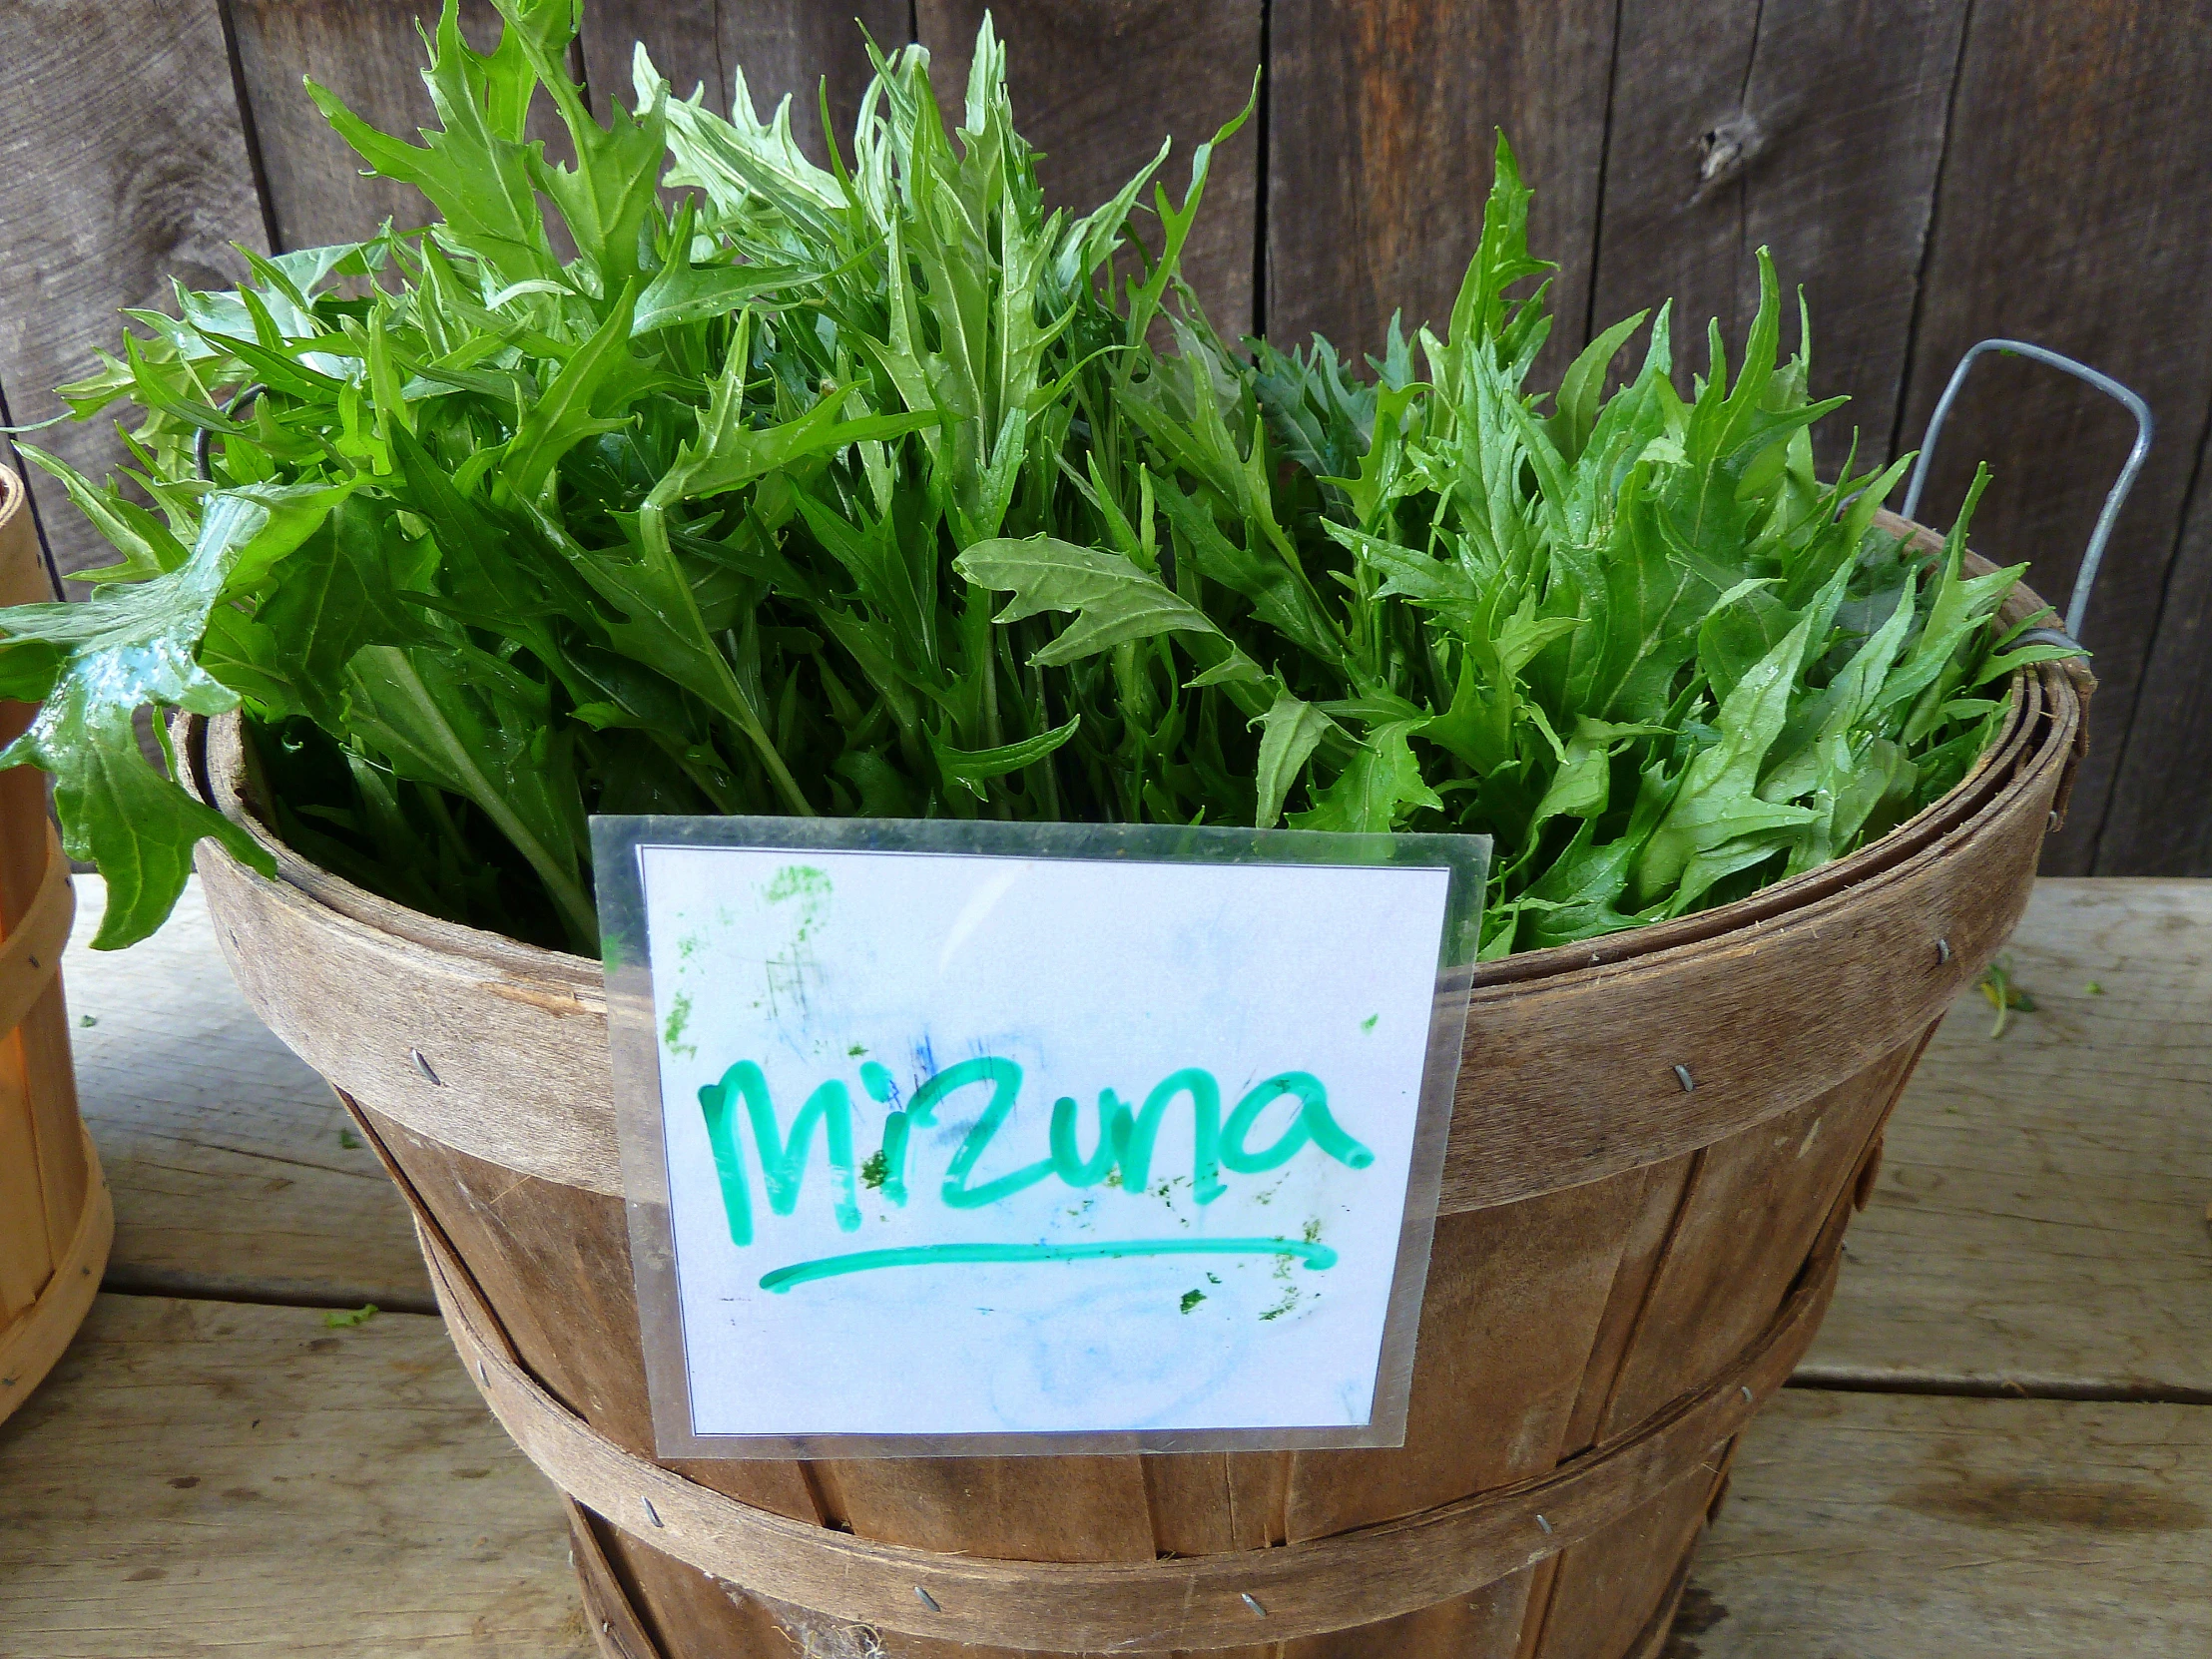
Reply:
x=977 y=1145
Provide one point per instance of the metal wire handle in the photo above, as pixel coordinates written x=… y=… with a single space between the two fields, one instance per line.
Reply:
x=2086 y=580
x=201 y=464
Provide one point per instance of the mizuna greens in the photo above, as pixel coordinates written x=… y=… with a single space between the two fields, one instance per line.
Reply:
x=873 y=491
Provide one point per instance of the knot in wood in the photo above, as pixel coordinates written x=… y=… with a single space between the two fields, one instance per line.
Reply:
x=1728 y=148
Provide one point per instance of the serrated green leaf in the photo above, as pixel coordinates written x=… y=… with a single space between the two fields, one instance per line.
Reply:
x=1378 y=789
x=1718 y=804
x=1113 y=601
x=132 y=646
x=971 y=767
x=1289 y=733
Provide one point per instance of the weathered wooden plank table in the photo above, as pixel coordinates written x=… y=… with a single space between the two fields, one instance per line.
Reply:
x=2001 y=1447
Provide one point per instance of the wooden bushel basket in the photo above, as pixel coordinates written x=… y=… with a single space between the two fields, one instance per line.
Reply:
x=1657 y=1141
x=56 y=1218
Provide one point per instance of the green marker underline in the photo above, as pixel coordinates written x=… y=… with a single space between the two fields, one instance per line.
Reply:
x=1315 y=1255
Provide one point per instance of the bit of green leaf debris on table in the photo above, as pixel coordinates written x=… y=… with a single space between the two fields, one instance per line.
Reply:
x=1191 y=1298
x=341 y=1319
x=349 y=1140
x=2004 y=996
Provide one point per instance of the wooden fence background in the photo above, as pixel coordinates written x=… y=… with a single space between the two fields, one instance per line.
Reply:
x=1931 y=170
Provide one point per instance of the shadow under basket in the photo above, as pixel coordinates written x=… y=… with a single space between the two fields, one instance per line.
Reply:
x=56 y=1218
x=1657 y=1141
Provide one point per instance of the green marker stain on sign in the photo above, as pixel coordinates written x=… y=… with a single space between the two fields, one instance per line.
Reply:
x=790 y=971
x=809 y=886
x=678 y=1016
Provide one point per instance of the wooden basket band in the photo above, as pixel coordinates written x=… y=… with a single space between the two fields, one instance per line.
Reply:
x=31 y=957
x=1573 y=1078
x=1181 y=1603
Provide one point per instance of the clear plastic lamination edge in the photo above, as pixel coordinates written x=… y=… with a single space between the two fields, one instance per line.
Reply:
x=634 y=1053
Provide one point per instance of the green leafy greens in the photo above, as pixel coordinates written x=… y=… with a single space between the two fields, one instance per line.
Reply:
x=879 y=489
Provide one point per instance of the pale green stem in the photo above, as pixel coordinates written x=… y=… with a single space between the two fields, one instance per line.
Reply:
x=568 y=892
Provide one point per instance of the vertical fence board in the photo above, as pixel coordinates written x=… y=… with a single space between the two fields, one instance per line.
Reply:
x=371 y=56
x=794 y=46
x=784 y=46
x=369 y=53
x=678 y=35
x=1664 y=230
x=2074 y=212
x=2158 y=823
x=121 y=161
x=1380 y=139
x=1097 y=84
x=1812 y=128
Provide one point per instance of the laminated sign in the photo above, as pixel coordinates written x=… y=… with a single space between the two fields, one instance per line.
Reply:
x=974 y=1137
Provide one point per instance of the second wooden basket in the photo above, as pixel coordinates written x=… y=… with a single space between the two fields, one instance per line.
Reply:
x=56 y=1219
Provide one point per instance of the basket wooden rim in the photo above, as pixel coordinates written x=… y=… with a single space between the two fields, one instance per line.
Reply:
x=1599 y=1064
x=1569 y=1077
